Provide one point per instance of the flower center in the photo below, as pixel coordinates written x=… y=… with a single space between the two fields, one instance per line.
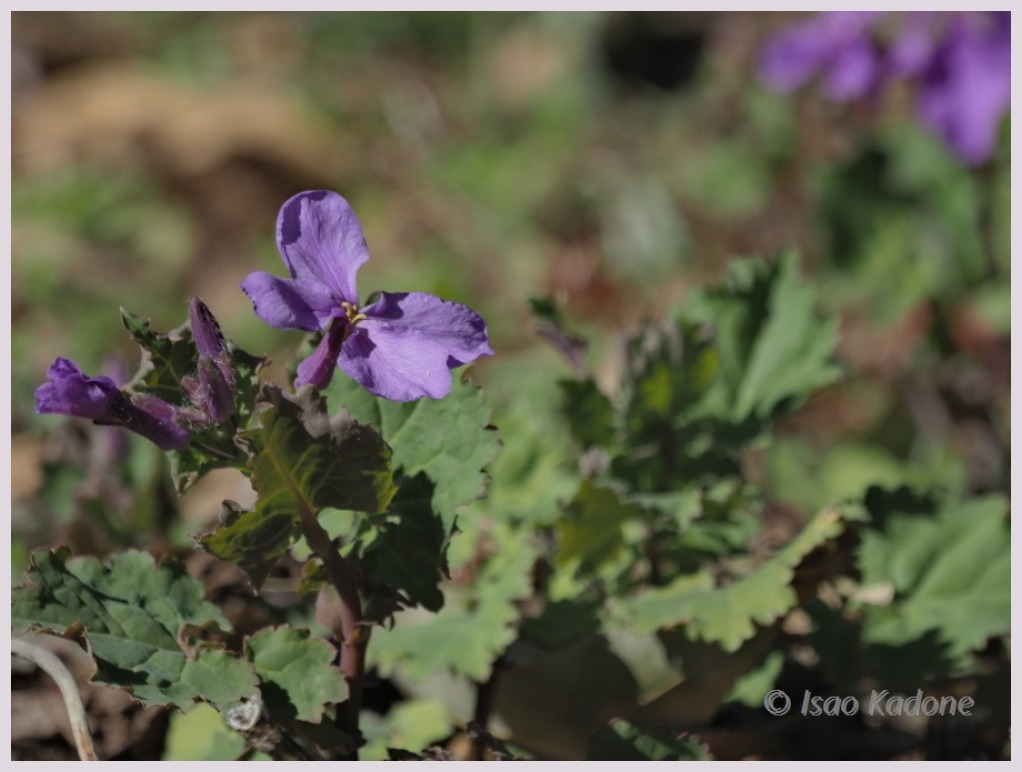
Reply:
x=351 y=311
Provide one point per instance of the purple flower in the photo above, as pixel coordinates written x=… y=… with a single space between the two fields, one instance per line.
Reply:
x=959 y=63
x=965 y=87
x=835 y=44
x=213 y=393
x=402 y=347
x=69 y=392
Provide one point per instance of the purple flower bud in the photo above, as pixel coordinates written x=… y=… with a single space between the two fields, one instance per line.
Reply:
x=70 y=392
x=205 y=331
x=113 y=447
x=214 y=393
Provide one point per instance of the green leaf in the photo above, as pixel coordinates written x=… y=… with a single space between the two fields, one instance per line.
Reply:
x=845 y=659
x=166 y=358
x=407 y=559
x=417 y=724
x=727 y=614
x=751 y=687
x=301 y=460
x=252 y=540
x=472 y=629
x=593 y=530
x=450 y=439
x=667 y=437
x=301 y=668
x=774 y=350
x=533 y=473
x=670 y=367
x=563 y=622
x=219 y=677
x=948 y=564
x=133 y=612
x=301 y=457
x=411 y=725
x=201 y=735
x=214 y=447
x=589 y=412
x=620 y=741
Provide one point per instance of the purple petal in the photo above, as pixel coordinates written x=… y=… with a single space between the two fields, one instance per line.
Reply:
x=458 y=328
x=793 y=56
x=854 y=72
x=409 y=342
x=69 y=392
x=967 y=89
x=321 y=241
x=318 y=369
x=399 y=367
x=288 y=304
x=912 y=49
x=799 y=51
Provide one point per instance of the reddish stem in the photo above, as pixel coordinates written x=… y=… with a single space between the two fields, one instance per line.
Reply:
x=351 y=635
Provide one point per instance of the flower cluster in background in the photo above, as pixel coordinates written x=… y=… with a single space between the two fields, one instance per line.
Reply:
x=958 y=63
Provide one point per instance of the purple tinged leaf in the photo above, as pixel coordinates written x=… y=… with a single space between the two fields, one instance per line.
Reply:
x=69 y=392
x=402 y=347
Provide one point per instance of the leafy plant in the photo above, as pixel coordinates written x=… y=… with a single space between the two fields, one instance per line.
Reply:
x=454 y=547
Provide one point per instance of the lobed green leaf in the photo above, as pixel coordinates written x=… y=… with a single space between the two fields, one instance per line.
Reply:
x=301 y=668
x=133 y=612
x=449 y=440
x=728 y=614
x=620 y=741
x=948 y=564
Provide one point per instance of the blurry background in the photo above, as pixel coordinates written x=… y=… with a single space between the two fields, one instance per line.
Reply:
x=609 y=160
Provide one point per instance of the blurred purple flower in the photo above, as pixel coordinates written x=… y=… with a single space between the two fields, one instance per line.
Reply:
x=402 y=347
x=836 y=44
x=965 y=87
x=960 y=64
x=69 y=392
x=213 y=393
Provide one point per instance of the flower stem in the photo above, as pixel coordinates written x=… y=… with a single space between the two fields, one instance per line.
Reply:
x=351 y=635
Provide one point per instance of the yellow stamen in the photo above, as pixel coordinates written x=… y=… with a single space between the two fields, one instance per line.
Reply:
x=354 y=317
